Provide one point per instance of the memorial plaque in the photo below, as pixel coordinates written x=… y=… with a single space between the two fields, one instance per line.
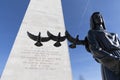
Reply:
x=29 y=62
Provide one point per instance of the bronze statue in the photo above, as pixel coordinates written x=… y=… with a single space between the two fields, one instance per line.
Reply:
x=104 y=46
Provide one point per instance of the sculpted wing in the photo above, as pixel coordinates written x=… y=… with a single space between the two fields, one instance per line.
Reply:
x=33 y=37
x=74 y=40
x=62 y=38
x=56 y=38
x=69 y=37
x=45 y=39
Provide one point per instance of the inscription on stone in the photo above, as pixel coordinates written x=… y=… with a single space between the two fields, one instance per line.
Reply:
x=41 y=59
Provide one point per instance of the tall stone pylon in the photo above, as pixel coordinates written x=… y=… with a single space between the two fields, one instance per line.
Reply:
x=29 y=62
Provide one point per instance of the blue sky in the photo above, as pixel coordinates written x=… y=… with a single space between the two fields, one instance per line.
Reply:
x=76 y=16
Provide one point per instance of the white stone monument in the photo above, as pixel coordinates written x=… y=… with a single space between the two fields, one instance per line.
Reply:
x=29 y=62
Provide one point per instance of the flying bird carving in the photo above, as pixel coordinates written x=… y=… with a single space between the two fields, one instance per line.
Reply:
x=58 y=38
x=38 y=38
x=74 y=41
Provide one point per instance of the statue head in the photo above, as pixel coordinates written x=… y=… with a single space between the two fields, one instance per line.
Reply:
x=96 y=21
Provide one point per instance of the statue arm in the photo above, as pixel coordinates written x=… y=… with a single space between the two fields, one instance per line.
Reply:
x=74 y=41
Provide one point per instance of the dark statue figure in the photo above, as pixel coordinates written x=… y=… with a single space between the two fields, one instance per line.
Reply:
x=103 y=45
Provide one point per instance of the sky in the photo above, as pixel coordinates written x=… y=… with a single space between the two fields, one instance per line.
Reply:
x=77 y=21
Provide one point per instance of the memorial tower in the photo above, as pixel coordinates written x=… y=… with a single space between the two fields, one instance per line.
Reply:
x=29 y=62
